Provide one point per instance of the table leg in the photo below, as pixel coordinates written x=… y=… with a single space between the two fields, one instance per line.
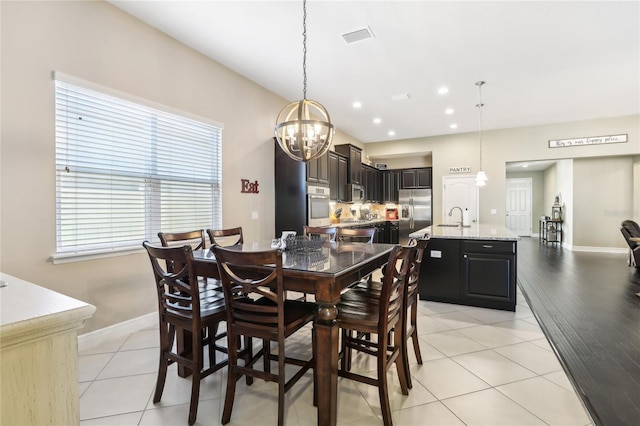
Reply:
x=327 y=365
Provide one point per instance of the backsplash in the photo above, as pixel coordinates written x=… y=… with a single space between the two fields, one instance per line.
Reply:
x=353 y=211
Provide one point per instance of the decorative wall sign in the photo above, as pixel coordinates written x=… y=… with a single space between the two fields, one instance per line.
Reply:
x=595 y=140
x=462 y=169
x=249 y=187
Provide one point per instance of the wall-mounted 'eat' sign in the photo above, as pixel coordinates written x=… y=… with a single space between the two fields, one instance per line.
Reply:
x=249 y=187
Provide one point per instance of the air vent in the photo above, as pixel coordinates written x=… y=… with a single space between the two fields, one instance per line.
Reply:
x=400 y=97
x=358 y=35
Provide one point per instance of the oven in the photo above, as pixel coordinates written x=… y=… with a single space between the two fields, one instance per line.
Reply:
x=318 y=209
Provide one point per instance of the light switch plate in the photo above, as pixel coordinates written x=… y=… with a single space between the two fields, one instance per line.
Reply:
x=494 y=211
x=254 y=215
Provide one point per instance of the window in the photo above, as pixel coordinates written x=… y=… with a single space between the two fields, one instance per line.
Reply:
x=125 y=171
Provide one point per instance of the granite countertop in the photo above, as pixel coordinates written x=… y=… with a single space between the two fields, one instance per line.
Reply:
x=473 y=232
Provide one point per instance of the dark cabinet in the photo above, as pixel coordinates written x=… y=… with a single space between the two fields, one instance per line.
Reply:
x=337 y=177
x=470 y=272
x=392 y=233
x=380 y=233
x=390 y=186
x=318 y=170
x=489 y=273
x=416 y=178
x=290 y=193
x=440 y=271
x=371 y=184
x=354 y=154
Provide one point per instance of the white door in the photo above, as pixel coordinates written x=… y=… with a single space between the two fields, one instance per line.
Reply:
x=459 y=191
x=518 y=207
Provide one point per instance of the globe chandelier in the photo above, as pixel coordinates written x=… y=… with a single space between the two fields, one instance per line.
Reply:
x=303 y=128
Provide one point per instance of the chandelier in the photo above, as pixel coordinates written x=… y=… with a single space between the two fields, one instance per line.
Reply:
x=481 y=177
x=303 y=128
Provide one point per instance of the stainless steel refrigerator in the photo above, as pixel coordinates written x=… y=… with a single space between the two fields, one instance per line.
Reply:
x=415 y=211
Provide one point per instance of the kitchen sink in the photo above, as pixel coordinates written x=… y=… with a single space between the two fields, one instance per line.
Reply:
x=448 y=225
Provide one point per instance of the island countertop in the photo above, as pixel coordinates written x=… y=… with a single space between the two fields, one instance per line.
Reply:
x=473 y=232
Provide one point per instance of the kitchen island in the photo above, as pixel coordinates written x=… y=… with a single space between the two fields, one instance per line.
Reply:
x=473 y=265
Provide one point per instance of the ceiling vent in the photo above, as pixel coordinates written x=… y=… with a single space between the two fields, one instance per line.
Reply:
x=358 y=35
x=400 y=97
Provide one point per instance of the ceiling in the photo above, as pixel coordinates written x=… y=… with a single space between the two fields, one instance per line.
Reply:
x=543 y=61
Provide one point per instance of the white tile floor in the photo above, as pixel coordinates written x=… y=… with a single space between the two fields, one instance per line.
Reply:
x=481 y=367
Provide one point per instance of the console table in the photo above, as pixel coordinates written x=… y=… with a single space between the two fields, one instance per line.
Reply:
x=550 y=231
x=39 y=352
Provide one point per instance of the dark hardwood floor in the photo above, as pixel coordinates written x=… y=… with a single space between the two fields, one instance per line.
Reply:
x=587 y=307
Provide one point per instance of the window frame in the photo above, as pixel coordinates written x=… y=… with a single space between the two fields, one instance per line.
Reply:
x=151 y=216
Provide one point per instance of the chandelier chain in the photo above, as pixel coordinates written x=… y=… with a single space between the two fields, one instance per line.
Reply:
x=304 y=49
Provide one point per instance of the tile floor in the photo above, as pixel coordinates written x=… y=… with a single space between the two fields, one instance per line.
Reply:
x=481 y=367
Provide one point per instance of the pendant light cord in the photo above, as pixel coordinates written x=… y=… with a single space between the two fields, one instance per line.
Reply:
x=304 y=49
x=480 y=105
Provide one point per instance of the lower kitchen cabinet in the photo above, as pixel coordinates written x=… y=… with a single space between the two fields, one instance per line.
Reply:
x=470 y=272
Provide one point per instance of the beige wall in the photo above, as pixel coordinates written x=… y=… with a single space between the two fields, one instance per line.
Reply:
x=507 y=145
x=602 y=199
x=99 y=43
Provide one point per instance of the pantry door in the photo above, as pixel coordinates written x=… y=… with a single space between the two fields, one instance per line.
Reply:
x=459 y=191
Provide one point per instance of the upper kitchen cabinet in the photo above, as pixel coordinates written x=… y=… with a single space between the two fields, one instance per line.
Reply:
x=371 y=184
x=390 y=186
x=318 y=170
x=354 y=154
x=415 y=178
x=338 y=177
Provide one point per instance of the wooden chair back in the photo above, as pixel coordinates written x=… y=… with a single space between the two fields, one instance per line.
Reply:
x=394 y=283
x=357 y=235
x=225 y=237
x=330 y=232
x=195 y=239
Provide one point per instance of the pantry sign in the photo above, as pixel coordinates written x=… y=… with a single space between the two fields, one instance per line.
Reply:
x=594 y=140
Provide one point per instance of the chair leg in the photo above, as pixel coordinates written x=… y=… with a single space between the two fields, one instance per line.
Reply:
x=195 y=378
x=382 y=382
x=281 y=382
x=414 y=332
x=165 y=342
x=314 y=346
x=401 y=366
x=232 y=378
x=266 y=344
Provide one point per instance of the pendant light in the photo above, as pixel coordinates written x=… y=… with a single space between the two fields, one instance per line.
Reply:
x=481 y=177
x=303 y=128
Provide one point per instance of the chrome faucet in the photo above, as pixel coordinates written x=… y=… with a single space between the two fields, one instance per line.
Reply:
x=451 y=213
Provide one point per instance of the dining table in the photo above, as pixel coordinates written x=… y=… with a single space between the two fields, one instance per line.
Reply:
x=323 y=272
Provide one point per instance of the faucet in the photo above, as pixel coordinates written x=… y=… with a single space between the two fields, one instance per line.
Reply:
x=451 y=212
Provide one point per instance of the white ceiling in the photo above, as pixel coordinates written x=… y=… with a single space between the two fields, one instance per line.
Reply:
x=543 y=61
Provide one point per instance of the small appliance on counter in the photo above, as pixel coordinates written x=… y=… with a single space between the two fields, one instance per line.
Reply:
x=391 y=214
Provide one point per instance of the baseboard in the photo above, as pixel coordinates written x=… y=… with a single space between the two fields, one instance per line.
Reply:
x=611 y=250
x=94 y=338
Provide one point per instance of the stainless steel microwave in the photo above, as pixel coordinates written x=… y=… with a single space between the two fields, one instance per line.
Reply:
x=318 y=209
x=356 y=192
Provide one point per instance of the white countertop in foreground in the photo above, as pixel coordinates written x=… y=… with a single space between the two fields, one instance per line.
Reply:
x=473 y=232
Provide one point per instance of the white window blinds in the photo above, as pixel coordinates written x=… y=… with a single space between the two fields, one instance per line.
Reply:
x=126 y=171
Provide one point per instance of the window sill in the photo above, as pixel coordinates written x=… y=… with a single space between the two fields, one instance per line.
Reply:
x=61 y=258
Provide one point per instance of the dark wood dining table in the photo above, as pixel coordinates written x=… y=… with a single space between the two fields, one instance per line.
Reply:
x=323 y=273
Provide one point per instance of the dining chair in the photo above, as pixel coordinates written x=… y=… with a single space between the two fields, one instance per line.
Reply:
x=182 y=305
x=253 y=285
x=330 y=232
x=356 y=235
x=225 y=237
x=384 y=319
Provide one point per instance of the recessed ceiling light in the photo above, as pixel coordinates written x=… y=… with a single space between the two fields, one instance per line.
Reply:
x=453 y=126
x=448 y=111
x=443 y=90
x=377 y=120
x=525 y=165
x=357 y=104
x=392 y=133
